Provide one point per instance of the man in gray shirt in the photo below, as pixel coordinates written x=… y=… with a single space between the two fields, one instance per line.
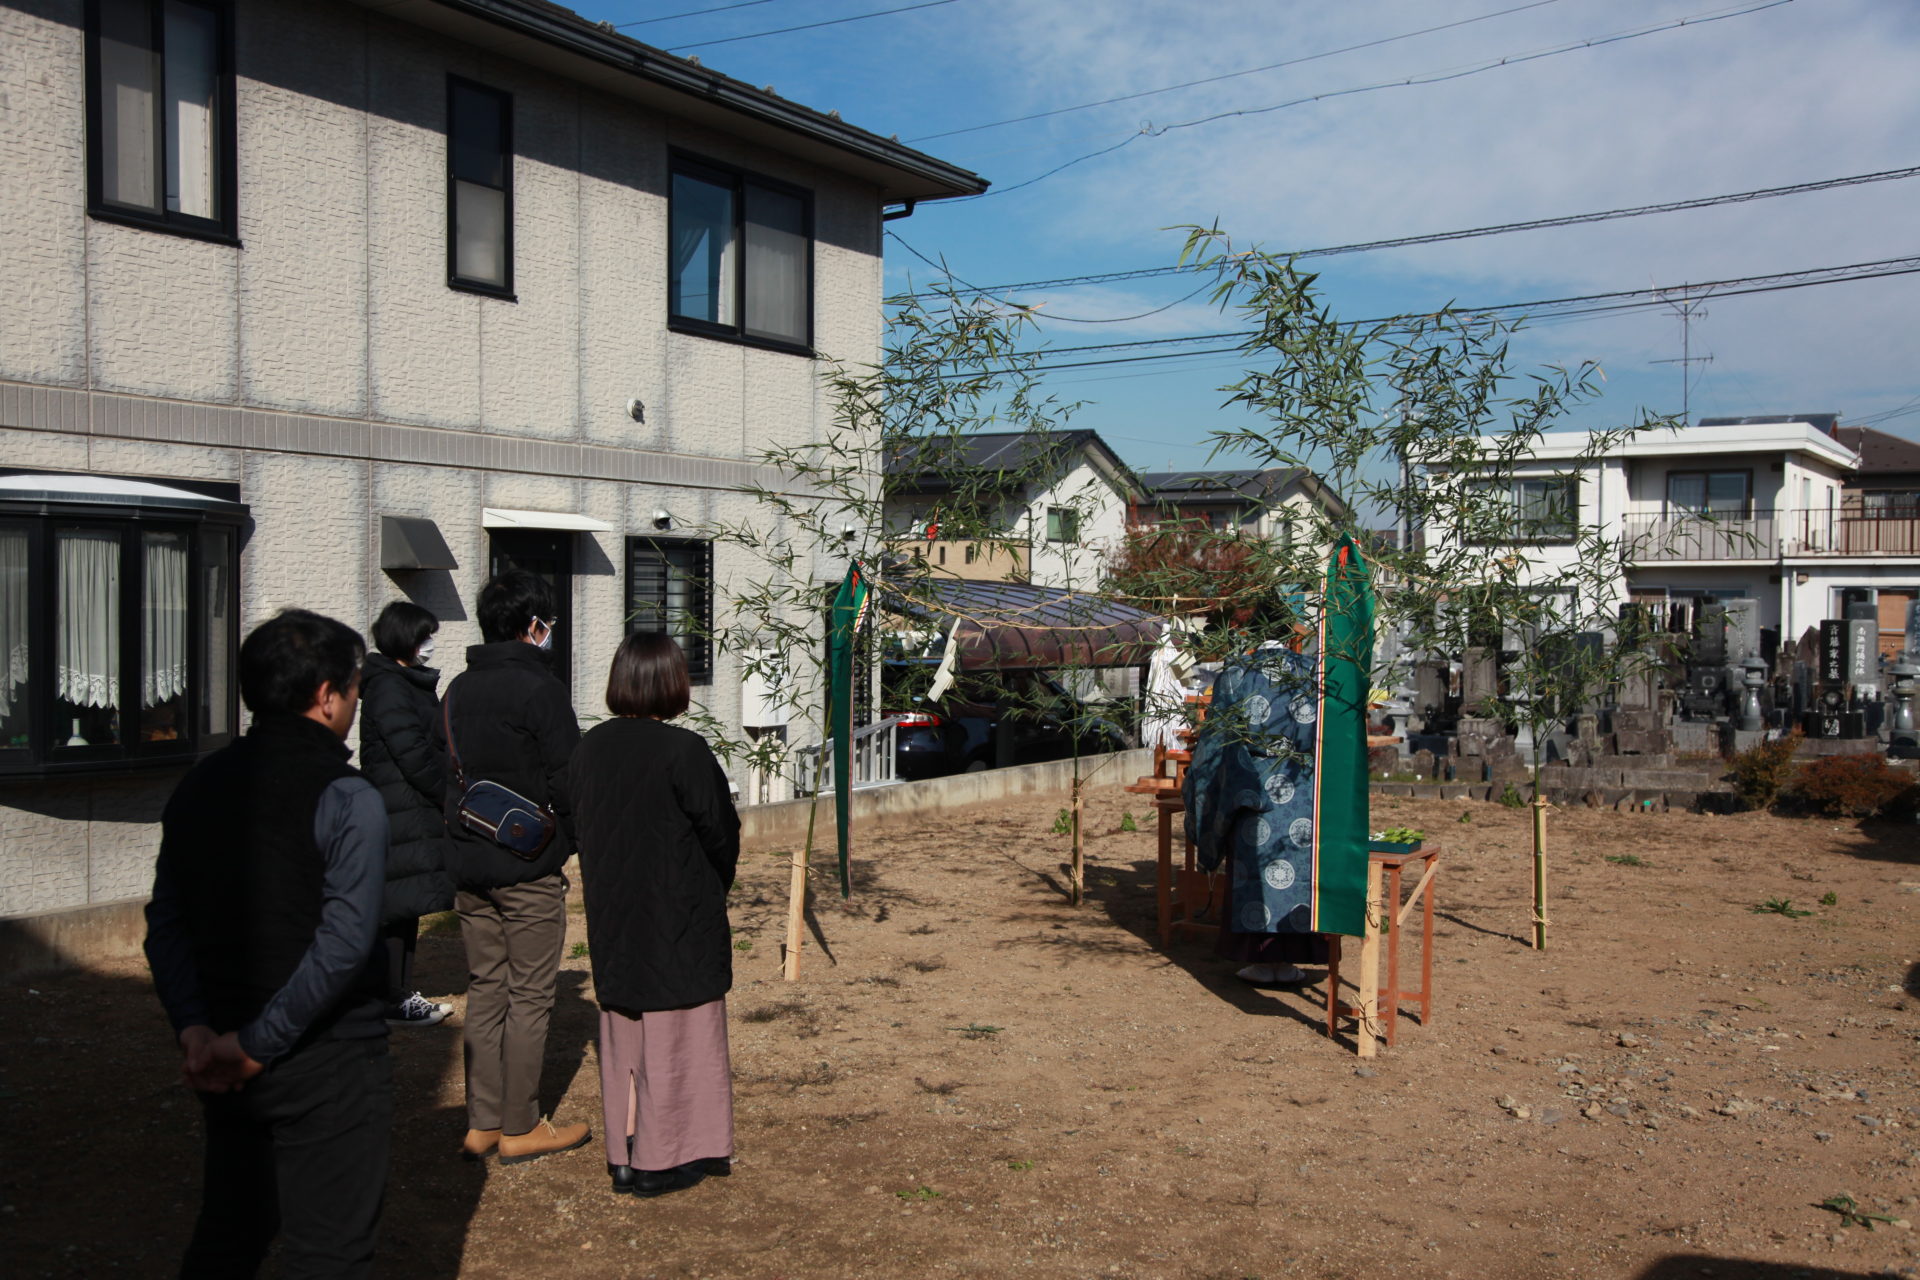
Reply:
x=260 y=932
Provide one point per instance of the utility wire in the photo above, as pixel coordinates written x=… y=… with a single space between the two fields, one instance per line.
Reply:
x=1620 y=300
x=834 y=22
x=1230 y=75
x=943 y=269
x=1498 y=229
x=1158 y=131
x=691 y=13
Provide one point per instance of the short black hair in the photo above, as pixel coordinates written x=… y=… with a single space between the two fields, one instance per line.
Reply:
x=649 y=677
x=402 y=628
x=285 y=660
x=509 y=603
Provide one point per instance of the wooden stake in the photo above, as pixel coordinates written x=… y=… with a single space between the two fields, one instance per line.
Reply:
x=797 y=896
x=1079 y=877
x=1367 y=1022
x=1539 y=869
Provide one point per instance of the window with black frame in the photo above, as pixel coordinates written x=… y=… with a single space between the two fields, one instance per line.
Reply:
x=670 y=592
x=1718 y=493
x=118 y=636
x=160 y=115
x=1546 y=510
x=479 y=188
x=739 y=257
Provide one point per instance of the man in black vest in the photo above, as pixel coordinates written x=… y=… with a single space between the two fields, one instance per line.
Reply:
x=265 y=911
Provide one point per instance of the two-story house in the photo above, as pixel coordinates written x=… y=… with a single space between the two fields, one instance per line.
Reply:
x=328 y=303
x=1055 y=503
x=1274 y=503
x=1748 y=508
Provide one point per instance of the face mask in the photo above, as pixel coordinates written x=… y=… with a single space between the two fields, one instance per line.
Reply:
x=545 y=642
x=425 y=654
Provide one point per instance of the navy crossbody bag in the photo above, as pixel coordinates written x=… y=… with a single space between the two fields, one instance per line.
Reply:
x=499 y=813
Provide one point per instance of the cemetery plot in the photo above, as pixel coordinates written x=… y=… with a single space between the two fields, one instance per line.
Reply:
x=983 y=1080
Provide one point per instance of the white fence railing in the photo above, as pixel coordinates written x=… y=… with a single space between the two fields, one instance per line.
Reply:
x=872 y=760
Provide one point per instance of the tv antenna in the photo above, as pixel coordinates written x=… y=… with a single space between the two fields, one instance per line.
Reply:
x=1687 y=308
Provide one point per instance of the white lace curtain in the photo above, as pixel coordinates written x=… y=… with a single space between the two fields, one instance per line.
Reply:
x=776 y=264
x=13 y=618
x=88 y=634
x=163 y=620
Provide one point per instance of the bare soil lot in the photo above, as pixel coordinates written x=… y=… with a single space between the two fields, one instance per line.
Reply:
x=976 y=1079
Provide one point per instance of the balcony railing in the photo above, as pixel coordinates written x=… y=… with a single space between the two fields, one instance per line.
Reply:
x=1769 y=535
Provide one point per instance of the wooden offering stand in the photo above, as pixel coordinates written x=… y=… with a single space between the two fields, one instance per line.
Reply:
x=1386 y=865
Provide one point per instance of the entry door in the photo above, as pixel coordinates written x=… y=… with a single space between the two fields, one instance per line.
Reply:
x=548 y=555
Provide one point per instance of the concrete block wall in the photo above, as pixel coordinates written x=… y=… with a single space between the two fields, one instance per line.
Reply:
x=325 y=367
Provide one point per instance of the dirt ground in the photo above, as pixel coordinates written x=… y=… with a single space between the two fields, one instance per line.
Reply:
x=974 y=1078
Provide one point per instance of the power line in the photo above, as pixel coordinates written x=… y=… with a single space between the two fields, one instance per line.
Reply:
x=947 y=271
x=691 y=13
x=1157 y=131
x=1619 y=300
x=834 y=22
x=1230 y=75
x=1497 y=229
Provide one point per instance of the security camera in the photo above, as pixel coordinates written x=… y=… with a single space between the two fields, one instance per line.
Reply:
x=847 y=532
x=637 y=409
x=662 y=520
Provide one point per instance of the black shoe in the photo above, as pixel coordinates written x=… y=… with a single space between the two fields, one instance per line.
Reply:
x=623 y=1177
x=649 y=1182
x=712 y=1167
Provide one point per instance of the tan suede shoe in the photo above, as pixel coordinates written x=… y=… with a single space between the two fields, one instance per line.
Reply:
x=479 y=1144
x=542 y=1140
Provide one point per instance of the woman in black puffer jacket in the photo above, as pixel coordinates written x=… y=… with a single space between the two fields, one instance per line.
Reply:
x=403 y=752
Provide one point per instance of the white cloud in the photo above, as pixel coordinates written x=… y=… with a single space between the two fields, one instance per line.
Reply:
x=1811 y=90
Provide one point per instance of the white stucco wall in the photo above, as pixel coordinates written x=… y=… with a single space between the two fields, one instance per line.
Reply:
x=278 y=365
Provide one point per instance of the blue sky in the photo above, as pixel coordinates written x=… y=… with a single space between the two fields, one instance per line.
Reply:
x=1801 y=91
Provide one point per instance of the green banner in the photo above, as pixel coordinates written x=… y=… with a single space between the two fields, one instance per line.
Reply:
x=1343 y=822
x=843 y=625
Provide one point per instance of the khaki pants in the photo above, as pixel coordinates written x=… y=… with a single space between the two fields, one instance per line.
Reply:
x=513 y=936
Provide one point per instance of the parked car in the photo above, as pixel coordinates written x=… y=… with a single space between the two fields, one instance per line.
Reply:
x=991 y=719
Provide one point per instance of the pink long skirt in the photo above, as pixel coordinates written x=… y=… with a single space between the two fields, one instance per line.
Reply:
x=666 y=1084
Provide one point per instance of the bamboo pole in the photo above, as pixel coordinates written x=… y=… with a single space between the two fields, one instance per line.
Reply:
x=1366 y=1030
x=797 y=894
x=1079 y=872
x=1539 y=867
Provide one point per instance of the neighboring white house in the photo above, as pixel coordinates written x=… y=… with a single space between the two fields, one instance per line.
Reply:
x=1060 y=499
x=1749 y=508
x=325 y=303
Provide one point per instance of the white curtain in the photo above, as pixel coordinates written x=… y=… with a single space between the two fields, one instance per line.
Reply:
x=13 y=617
x=776 y=264
x=163 y=620
x=128 y=73
x=193 y=85
x=88 y=653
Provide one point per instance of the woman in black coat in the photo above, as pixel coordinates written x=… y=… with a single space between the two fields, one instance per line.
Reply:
x=659 y=839
x=403 y=752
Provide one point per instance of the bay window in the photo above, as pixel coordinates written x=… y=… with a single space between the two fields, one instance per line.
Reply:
x=118 y=608
x=160 y=115
x=740 y=257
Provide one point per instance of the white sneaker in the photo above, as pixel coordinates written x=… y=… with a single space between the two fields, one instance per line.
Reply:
x=1273 y=975
x=418 y=1011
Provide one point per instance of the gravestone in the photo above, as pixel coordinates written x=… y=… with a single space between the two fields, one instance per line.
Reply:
x=1479 y=679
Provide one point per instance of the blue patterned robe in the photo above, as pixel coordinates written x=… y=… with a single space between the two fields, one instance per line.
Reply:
x=1249 y=790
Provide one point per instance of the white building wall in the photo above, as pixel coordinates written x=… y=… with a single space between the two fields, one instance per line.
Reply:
x=294 y=366
x=1103 y=521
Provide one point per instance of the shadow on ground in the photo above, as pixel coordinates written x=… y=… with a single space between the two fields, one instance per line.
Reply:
x=1691 y=1266
x=89 y=1085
